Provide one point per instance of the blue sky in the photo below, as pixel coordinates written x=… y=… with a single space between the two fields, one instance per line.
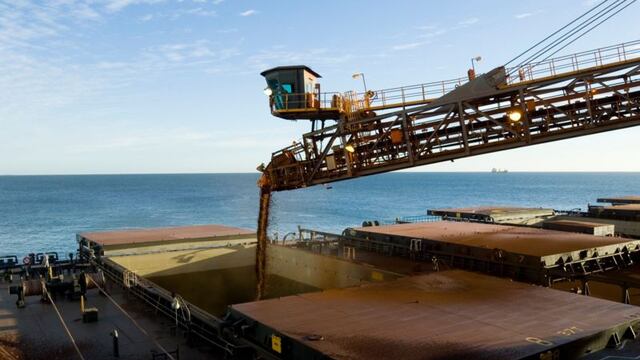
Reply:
x=152 y=86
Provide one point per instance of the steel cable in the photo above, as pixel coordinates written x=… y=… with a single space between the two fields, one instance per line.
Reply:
x=64 y=325
x=554 y=33
x=573 y=31
x=132 y=319
x=589 y=30
x=567 y=36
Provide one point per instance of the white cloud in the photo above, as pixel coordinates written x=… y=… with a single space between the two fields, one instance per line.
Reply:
x=523 y=15
x=432 y=34
x=469 y=21
x=249 y=12
x=84 y=11
x=279 y=55
x=199 y=12
x=527 y=14
x=408 y=46
x=117 y=5
x=196 y=53
x=217 y=2
x=46 y=52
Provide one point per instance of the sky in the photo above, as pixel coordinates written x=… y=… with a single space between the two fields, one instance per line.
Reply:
x=153 y=86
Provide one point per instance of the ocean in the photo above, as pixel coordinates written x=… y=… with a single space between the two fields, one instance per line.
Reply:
x=43 y=213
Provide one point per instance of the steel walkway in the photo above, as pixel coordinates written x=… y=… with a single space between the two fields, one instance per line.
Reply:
x=561 y=98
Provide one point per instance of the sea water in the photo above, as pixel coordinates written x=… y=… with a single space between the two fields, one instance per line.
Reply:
x=43 y=213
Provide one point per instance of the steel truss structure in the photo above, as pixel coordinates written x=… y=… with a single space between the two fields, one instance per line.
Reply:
x=489 y=113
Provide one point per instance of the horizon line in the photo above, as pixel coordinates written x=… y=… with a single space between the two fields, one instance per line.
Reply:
x=257 y=173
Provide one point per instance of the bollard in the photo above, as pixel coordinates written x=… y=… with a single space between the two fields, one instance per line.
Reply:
x=116 y=345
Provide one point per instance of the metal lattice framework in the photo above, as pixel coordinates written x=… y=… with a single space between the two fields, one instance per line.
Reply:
x=490 y=113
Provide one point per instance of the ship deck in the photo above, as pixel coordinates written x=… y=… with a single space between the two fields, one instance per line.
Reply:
x=35 y=332
x=616 y=200
x=495 y=214
x=545 y=245
x=155 y=236
x=447 y=315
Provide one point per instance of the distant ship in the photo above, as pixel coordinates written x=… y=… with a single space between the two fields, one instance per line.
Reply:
x=494 y=170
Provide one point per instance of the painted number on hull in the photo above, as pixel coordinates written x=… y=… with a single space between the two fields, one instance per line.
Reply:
x=539 y=341
x=569 y=331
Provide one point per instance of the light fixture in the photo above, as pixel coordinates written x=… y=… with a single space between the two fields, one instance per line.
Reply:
x=350 y=148
x=474 y=60
x=358 y=76
x=267 y=91
x=514 y=115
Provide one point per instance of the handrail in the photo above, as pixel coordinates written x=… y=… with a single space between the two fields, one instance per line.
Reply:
x=202 y=324
x=579 y=61
x=305 y=101
x=351 y=102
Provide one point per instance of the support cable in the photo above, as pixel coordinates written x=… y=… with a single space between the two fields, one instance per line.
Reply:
x=562 y=37
x=132 y=319
x=567 y=36
x=556 y=32
x=589 y=30
x=573 y=31
x=64 y=325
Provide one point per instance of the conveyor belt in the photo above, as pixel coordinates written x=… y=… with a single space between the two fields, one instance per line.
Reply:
x=554 y=100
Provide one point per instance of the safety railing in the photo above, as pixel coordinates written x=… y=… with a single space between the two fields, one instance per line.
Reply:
x=315 y=236
x=352 y=102
x=410 y=94
x=302 y=101
x=198 y=322
x=403 y=220
x=575 y=62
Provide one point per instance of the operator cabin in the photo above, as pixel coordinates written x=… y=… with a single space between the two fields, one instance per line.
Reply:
x=294 y=93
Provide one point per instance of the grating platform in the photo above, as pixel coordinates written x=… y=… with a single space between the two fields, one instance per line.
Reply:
x=447 y=315
x=530 y=254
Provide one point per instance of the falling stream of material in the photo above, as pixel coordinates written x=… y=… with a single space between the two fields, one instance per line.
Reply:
x=261 y=248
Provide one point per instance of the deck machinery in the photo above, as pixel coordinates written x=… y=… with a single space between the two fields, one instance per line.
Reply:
x=356 y=134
